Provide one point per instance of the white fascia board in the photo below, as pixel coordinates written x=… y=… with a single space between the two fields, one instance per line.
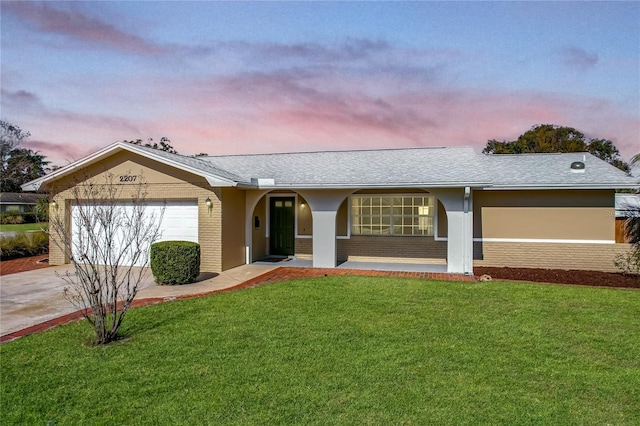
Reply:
x=562 y=186
x=378 y=186
x=541 y=240
x=36 y=184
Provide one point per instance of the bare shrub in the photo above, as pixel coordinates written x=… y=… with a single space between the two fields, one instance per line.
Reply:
x=108 y=247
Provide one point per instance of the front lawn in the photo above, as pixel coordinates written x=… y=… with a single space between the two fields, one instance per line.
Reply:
x=25 y=227
x=343 y=350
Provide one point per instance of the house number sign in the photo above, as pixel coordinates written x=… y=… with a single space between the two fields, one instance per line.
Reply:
x=128 y=178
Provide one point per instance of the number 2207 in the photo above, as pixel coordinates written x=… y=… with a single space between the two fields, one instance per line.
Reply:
x=128 y=178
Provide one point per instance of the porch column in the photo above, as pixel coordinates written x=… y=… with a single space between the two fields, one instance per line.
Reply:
x=458 y=203
x=251 y=201
x=324 y=206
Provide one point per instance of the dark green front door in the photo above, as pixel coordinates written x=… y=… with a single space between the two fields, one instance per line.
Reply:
x=282 y=226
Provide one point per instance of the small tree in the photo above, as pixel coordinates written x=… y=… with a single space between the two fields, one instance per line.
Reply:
x=108 y=247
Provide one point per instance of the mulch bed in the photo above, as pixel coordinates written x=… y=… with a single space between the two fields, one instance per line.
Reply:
x=24 y=264
x=592 y=278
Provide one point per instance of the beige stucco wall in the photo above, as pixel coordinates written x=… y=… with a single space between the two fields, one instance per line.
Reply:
x=576 y=215
x=561 y=214
x=258 y=241
x=441 y=217
x=233 y=228
x=305 y=220
x=162 y=183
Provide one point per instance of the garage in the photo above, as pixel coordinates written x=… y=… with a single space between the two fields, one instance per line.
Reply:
x=179 y=222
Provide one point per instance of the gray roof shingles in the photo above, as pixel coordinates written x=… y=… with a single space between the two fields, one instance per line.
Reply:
x=550 y=170
x=402 y=167
x=452 y=166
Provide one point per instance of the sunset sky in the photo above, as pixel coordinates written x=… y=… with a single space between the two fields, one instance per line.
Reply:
x=226 y=78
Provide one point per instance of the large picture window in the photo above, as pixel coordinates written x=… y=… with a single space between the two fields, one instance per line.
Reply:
x=391 y=215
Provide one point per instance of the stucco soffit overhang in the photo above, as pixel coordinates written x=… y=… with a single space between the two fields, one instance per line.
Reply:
x=37 y=184
x=389 y=185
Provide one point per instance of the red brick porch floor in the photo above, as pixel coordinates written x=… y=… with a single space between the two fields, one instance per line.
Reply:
x=277 y=275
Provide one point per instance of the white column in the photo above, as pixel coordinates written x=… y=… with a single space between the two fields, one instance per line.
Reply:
x=324 y=239
x=324 y=206
x=458 y=205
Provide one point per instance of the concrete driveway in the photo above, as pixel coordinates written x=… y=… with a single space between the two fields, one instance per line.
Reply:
x=32 y=297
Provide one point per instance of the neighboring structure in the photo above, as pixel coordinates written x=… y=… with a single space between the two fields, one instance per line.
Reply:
x=627 y=205
x=18 y=201
x=424 y=205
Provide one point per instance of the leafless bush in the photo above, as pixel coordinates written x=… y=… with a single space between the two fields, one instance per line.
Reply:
x=106 y=231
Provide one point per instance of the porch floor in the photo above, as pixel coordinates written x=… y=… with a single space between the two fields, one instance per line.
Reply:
x=366 y=266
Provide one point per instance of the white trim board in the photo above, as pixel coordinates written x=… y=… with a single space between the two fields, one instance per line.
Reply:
x=540 y=240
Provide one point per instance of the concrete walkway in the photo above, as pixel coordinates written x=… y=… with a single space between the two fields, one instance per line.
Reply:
x=33 y=297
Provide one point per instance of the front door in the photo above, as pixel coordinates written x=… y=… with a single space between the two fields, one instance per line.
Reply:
x=282 y=225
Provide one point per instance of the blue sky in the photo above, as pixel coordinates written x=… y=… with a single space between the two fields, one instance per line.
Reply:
x=230 y=77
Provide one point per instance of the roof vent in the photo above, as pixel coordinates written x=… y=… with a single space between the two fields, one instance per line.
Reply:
x=577 y=167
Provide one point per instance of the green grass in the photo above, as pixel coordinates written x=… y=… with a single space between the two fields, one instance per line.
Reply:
x=343 y=350
x=25 y=227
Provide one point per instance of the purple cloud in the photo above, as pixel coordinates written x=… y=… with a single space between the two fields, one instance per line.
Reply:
x=65 y=152
x=81 y=27
x=580 y=59
x=20 y=99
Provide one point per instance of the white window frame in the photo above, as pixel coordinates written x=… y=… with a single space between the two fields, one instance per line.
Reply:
x=392 y=195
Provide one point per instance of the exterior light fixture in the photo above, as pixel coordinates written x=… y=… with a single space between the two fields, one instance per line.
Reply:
x=54 y=204
x=208 y=202
x=302 y=205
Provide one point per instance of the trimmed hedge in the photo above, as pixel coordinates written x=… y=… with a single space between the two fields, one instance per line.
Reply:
x=175 y=262
x=24 y=244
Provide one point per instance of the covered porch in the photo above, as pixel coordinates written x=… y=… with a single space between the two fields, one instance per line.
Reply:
x=321 y=223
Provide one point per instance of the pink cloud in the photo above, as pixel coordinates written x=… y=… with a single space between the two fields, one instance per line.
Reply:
x=81 y=27
x=320 y=107
x=64 y=153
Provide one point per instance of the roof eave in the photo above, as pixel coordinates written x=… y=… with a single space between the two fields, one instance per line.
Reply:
x=37 y=184
x=375 y=186
x=565 y=186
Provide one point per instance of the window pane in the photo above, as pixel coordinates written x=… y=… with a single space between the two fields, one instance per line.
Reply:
x=384 y=215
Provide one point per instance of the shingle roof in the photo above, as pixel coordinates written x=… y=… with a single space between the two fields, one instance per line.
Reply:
x=408 y=167
x=429 y=167
x=399 y=167
x=552 y=170
x=192 y=162
x=19 y=198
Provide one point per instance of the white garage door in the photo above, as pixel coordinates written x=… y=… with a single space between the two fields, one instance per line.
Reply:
x=179 y=222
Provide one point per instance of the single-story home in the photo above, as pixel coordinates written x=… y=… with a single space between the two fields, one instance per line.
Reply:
x=449 y=206
x=18 y=201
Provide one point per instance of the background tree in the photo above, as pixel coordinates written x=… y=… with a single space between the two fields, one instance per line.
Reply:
x=553 y=138
x=17 y=165
x=106 y=241
x=164 y=145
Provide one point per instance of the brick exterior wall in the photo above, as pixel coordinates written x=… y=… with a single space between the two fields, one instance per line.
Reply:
x=595 y=257
x=392 y=249
x=304 y=248
x=209 y=219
